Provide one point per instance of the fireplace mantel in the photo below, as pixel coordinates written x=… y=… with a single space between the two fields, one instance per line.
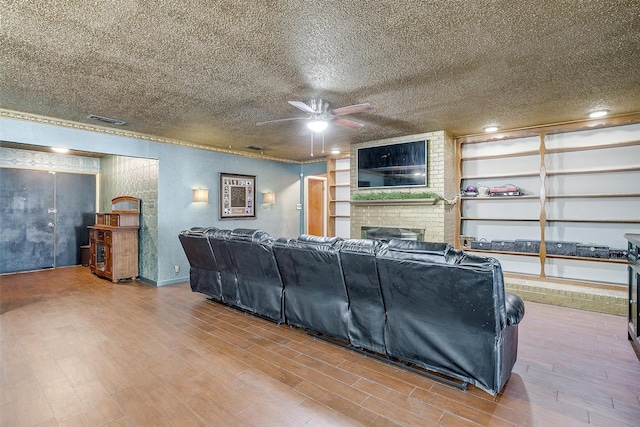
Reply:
x=394 y=202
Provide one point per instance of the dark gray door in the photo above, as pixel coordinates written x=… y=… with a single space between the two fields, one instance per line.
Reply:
x=76 y=208
x=42 y=217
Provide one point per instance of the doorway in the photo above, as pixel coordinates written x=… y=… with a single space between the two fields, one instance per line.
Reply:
x=315 y=218
x=44 y=218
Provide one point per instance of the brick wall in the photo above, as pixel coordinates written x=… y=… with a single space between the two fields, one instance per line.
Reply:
x=438 y=220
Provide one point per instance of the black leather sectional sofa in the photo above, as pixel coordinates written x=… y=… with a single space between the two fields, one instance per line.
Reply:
x=423 y=304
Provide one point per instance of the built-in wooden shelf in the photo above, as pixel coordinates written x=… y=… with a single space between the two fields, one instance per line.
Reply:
x=587 y=196
x=591 y=171
x=552 y=151
x=484 y=218
x=559 y=150
x=554 y=196
x=336 y=180
x=536 y=254
x=503 y=155
x=524 y=196
x=556 y=169
x=503 y=175
x=608 y=221
x=552 y=172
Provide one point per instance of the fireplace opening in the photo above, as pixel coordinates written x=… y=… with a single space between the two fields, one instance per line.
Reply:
x=388 y=233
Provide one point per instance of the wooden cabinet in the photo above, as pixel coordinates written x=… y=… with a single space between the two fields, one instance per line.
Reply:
x=634 y=290
x=113 y=241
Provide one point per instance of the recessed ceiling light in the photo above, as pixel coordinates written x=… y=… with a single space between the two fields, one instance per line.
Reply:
x=490 y=129
x=596 y=114
x=60 y=150
x=335 y=151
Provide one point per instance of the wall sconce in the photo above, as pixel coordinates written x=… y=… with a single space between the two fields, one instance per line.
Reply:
x=269 y=198
x=201 y=195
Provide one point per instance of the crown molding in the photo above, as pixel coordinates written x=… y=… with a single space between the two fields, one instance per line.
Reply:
x=130 y=134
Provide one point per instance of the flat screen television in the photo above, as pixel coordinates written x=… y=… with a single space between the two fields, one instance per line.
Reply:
x=395 y=165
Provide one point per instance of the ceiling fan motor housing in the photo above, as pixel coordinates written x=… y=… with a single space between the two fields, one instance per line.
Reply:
x=320 y=106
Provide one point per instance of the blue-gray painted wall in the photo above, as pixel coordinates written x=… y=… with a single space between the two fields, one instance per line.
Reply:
x=180 y=170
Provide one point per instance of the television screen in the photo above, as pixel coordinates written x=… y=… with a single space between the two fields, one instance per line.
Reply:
x=395 y=165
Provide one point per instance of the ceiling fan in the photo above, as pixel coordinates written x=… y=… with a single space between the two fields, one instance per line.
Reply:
x=320 y=116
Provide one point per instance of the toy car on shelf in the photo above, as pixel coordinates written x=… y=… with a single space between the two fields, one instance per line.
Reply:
x=505 y=190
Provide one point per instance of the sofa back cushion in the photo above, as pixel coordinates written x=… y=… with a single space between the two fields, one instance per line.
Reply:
x=204 y=275
x=315 y=296
x=259 y=283
x=366 y=308
x=228 y=279
x=420 y=251
x=197 y=249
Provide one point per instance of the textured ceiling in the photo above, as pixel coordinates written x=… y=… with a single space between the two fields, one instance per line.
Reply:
x=204 y=72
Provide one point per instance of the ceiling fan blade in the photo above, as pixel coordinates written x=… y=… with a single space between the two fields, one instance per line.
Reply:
x=281 y=120
x=351 y=109
x=302 y=106
x=349 y=124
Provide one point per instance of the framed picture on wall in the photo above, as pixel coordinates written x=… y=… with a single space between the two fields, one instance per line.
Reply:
x=237 y=196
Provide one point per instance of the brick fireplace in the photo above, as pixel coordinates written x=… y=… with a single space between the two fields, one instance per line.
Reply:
x=437 y=220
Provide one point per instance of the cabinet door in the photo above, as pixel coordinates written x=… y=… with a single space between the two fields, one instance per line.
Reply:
x=108 y=253
x=92 y=253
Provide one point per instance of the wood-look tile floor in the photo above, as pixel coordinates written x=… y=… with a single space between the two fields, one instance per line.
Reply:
x=77 y=350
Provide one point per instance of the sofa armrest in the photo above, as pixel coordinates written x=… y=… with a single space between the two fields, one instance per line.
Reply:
x=515 y=308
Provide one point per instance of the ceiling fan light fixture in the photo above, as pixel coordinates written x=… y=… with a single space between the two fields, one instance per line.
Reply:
x=317 y=125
